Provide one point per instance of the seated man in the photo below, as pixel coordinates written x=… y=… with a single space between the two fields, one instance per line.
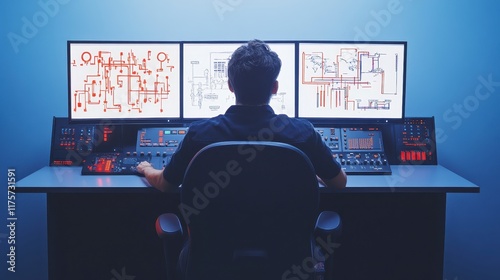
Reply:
x=253 y=70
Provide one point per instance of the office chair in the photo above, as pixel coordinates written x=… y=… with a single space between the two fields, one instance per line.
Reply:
x=251 y=212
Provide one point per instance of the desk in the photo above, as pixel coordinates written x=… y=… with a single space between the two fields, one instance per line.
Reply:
x=405 y=178
x=394 y=225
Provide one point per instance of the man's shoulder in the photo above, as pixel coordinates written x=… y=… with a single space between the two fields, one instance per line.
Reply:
x=289 y=129
x=295 y=122
x=207 y=129
x=206 y=122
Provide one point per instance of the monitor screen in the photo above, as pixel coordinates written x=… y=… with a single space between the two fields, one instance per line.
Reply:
x=351 y=80
x=123 y=81
x=205 y=78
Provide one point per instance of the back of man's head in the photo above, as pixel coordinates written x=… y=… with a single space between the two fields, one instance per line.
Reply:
x=252 y=71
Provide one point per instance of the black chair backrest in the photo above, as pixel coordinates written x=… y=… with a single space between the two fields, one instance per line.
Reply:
x=250 y=208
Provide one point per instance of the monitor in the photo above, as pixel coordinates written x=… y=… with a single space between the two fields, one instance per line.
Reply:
x=205 y=78
x=124 y=81
x=351 y=81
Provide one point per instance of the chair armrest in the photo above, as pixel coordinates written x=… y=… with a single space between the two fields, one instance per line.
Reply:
x=168 y=225
x=328 y=223
x=169 y=230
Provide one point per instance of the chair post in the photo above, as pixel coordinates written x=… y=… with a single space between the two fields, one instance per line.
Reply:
x=169 y=229
x=326 y=233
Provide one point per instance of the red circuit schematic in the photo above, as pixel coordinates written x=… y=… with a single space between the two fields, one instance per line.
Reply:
x=124 y=80
x=345 y=80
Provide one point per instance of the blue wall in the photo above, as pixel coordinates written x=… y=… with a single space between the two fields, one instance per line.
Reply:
x=453 y=74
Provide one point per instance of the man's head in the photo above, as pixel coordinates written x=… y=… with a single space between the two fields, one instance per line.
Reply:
x=252 y=72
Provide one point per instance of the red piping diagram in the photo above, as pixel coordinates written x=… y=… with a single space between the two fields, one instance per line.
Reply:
x=350 y=79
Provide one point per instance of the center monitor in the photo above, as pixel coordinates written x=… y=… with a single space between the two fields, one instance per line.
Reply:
x=205 y=78
x=351 y=81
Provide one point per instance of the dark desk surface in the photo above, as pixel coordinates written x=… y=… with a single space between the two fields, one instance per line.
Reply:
x=404 y=178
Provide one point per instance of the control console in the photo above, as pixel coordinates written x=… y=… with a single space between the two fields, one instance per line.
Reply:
x=118 y=149
x=359 y=150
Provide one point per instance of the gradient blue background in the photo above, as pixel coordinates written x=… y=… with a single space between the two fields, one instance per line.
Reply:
x=452 y=45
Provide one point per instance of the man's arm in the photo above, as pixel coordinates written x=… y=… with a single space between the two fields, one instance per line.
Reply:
x=155 y=177
x=338 y=182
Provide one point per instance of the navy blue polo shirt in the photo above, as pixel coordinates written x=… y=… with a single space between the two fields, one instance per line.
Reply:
x=252 y=123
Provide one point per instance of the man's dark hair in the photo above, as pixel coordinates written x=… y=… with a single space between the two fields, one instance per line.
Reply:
x=252 y=70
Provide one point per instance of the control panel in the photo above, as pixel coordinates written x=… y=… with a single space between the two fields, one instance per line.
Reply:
x=154 y=145
x=72 y=143
x=359 y=150
x=415 y=142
